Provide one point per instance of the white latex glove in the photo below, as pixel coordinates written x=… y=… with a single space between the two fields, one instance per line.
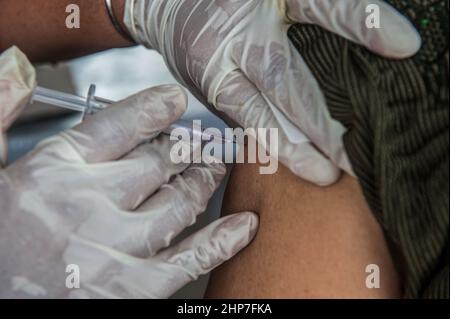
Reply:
x=97 y=198
x=236 y=56
x=17 y=82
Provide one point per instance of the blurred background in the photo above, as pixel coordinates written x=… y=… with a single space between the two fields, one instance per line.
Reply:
x=117 y=74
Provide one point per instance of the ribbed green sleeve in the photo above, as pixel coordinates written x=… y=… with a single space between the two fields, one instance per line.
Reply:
x=396 y=113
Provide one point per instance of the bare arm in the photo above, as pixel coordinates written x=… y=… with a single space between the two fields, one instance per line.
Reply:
x=312 y=242
x=39 y=29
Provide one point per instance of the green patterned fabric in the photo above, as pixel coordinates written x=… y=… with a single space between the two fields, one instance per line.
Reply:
x=396 y=113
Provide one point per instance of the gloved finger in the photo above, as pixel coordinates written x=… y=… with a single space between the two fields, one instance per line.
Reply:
x=243 y=102
x=396 y=37
x=160 y=276
x=290 y=89
x=129 y=181
x=205 y=250
x=17 y=82
x=173 y=208
x=115 y=131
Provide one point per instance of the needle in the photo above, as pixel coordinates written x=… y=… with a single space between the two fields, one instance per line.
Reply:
x=92 y=104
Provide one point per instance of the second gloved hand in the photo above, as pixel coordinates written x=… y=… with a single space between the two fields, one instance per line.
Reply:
x=91 y=211
x=235 y=55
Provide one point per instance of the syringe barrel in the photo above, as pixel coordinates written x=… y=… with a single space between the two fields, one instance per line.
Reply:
x=61 y=99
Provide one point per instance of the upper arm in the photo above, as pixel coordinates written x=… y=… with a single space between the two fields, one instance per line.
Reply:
x=312 y=241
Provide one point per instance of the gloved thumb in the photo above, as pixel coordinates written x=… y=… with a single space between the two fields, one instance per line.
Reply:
x=17 y=82
x=396 y=37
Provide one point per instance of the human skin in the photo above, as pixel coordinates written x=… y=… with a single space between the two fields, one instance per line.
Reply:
x=312 y=242
x=45 y=20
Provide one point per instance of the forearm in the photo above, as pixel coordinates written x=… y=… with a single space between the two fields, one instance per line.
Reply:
x=39 y=28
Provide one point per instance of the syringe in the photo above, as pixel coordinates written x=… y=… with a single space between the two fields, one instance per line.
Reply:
x=92 y=104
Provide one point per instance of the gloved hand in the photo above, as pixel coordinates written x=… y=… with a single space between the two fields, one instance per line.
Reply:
x=236 y=56
x=96 y=200
x=17 y=81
